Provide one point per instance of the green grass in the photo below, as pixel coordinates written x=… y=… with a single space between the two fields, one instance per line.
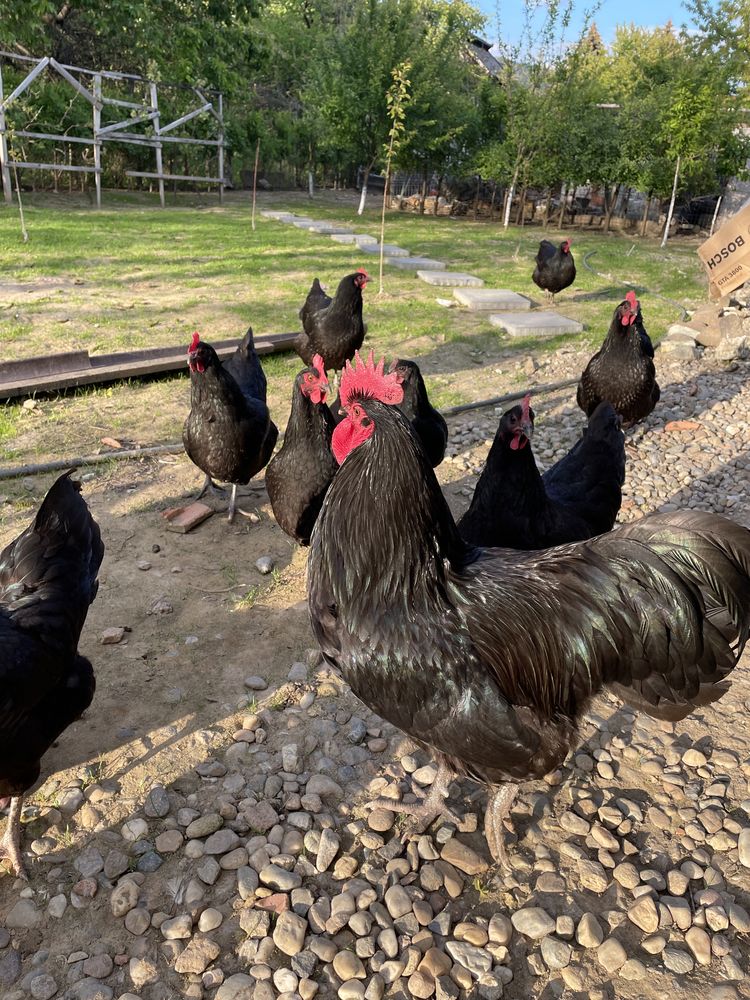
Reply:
x=133 y=276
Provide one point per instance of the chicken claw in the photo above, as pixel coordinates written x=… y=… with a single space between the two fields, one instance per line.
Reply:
x=426 y=809
x=10 y=845
x=499 y=802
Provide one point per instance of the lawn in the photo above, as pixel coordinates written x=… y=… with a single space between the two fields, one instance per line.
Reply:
x=133 y=276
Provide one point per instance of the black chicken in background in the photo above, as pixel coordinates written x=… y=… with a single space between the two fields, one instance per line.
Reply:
x=333 y=328
x=517 y=507
x=490 y=657
x=301 y=471
x=622 y=370
x=228 y=433
x=555 y=268
x=48 y=580
x=429 y=425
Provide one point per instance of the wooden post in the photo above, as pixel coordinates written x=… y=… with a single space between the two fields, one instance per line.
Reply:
x=221 y=149
x=97 y=109
x=716 y=212
x=255 y=178
x=4 y=149
x=665 y=237
x=159 y=164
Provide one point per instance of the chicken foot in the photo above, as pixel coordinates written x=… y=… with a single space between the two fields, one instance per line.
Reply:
x=499 y=802
x=210 y=486
x=10 y=845
x=234 y=509
x=426 y=809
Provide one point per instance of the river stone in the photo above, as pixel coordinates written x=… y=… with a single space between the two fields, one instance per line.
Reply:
x=533 y=922
x=289 y=932
x=611 y=955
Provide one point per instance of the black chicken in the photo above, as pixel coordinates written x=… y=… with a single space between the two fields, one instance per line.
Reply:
x=334 y=329
x=427 y=423
x=316 y=299
x=299 y=474
x=622 y=370
x=555 y=268
x=490 y=657
x=48 y=579
x=514 y=506
x=228 y=433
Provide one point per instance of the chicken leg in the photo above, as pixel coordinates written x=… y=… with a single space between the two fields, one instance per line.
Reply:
x=210 y=486
x=499 y=802
x=426 y=809
x=10 y=845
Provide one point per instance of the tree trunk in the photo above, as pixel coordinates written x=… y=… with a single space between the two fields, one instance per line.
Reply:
x=255 y=179
x=563 y=195
x=671 y=203
x=476 y=200
x=545 y=220
x=626 y=202
x=422 y=194
x=492 y=201
x=521 y=207
x=509 y=202
x=311 y=185
x=363 y=193
x=437 y=195
x=646 y=210
x=609 y=204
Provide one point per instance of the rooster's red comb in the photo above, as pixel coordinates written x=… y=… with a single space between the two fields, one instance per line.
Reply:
x=631 y=300
x=194 y=342
x=365 y=378
x=525 y=404
x=319 y=365
x=361 y=270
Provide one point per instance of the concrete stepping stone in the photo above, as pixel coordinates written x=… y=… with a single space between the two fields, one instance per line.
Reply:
x=389 y=249
x=349 y=237
x=268 y=213
x=457 y=279
x=414 y=263
x=535 y=324
x=302 y=223
x=328 y=228
x=491 y=299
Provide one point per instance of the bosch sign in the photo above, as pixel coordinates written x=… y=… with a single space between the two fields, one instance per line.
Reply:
x=725 y=252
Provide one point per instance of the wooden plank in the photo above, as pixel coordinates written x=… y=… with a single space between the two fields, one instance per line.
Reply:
x=46 y=364
x=135 y=364
x=186 y=118
x=172 y=177
x=97 y=122
x=117 y=103
x=4 y=168
x=144 y=140
x=27 y=81
x=55 y=166
x=56 y=138
x=157 y=147
x=83 y=91
x=127 y=122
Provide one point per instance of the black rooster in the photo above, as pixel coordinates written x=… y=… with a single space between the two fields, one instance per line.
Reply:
x=428 y=424
x=622 y=370
x=555 y=268
x=48 y=579
x=301 y=471
x=514 y=506
x=333 y=328
x=228 y=433
x=490 y=657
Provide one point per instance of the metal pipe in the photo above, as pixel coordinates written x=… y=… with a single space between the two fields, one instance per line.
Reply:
x=69 y=463
x=538 y=390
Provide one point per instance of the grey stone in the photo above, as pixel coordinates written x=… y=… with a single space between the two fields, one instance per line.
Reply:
x=415 y=263
x=157 y=802
x=491 y=299
x=89 y=989
x=10 y=967
x=389 y=249
x=42 y=987
x=450 y=279
x=359 y=238
x=535 y=324
x=677 y=960
x=89 y=862
x=23 y=915
x=533 y=922
x=289 y=932
x=237 y=987
x=476 y=960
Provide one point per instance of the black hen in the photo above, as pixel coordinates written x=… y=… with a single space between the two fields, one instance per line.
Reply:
x=490 y=657
x=299 y=474
x=48 y=579
x=428 y=424
x=514 y=506
x=316 y=299
x=622 y=370
x=334 y=330
x=555 y=268
x=228 y=433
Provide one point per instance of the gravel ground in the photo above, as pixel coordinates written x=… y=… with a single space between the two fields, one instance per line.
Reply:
x=260 y=874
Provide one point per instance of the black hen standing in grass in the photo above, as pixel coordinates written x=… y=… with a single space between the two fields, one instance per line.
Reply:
x=517 y=507
x=334 y=329
x=228 y=433
x=622 y=370
x=48 y=579
x=490 y=657
x=555 y=268
x=301 y=471
x=429 y=425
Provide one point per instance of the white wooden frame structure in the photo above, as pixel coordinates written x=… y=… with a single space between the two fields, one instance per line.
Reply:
x=88 y=84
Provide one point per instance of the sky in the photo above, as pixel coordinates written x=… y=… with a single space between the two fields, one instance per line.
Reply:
x=643 y=13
